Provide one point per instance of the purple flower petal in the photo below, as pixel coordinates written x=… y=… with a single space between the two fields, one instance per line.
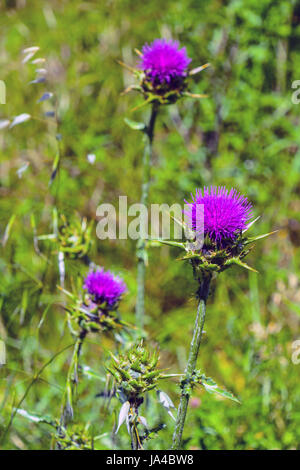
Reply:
x=226 y=213
x=163 y=61
x=103 y=286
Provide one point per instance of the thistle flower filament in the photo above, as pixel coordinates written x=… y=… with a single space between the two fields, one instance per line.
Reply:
x=104 y=287
x=226 y=213
x=164 y=62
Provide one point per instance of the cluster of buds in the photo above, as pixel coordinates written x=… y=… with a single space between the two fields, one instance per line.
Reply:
x=135 y=373
x=91 y=317
x=97 y=317
x=73 y=438
x=162 y=73
x=74 y=237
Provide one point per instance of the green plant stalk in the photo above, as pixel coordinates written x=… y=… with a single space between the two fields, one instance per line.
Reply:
x=141 y=250
x=186 y=384
x=134 y=437
x=72 y=379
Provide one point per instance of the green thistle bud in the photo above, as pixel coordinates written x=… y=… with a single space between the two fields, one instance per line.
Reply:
x=135 y=372
x=74 y=437
x=74 y=237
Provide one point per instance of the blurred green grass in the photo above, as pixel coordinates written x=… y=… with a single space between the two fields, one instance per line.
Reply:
x=245 y=134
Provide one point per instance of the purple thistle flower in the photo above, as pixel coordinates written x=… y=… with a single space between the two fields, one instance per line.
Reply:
x=163 y=61
x=226 y=213
x=103 y=286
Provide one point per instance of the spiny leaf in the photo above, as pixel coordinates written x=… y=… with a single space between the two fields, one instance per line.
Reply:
x=238 y=262
x=131 y=69
x=153 y=242
x=144 y=103
x=259 y=237
x=211 y=387
x=251 y=223
x=138 y=52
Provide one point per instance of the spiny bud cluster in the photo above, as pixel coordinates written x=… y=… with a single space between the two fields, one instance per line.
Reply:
x=213 y=259
x=97 y=317
x=135 y=371
x=73 y=438
x=74 y=237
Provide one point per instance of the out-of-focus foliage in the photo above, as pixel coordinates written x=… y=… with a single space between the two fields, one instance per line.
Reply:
x=245 y=134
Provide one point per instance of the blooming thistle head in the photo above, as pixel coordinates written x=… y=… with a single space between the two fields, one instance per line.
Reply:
x=104 y=288
x=95 y=307
x=223 y=214
x=164 y=63
x=163 y=72
x=217 y=221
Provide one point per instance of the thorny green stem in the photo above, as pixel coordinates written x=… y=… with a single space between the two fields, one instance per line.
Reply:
x=202 y=295
x=72 y=381
x=141 y=250
x=134 y=433
x=133 y=437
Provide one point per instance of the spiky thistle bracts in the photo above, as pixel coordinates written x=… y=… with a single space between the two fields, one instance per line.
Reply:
x=164 y=61
x=96 y=306
x=218 y=213
x=104 y=287
x=163 y=73
x=135 y=372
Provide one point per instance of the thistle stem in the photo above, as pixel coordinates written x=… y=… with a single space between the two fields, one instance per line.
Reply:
x=72 y=379
x=135 y=438
x=186 y=384
x=141 y=250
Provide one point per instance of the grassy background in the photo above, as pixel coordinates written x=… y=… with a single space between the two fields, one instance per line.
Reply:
x=245 y=134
